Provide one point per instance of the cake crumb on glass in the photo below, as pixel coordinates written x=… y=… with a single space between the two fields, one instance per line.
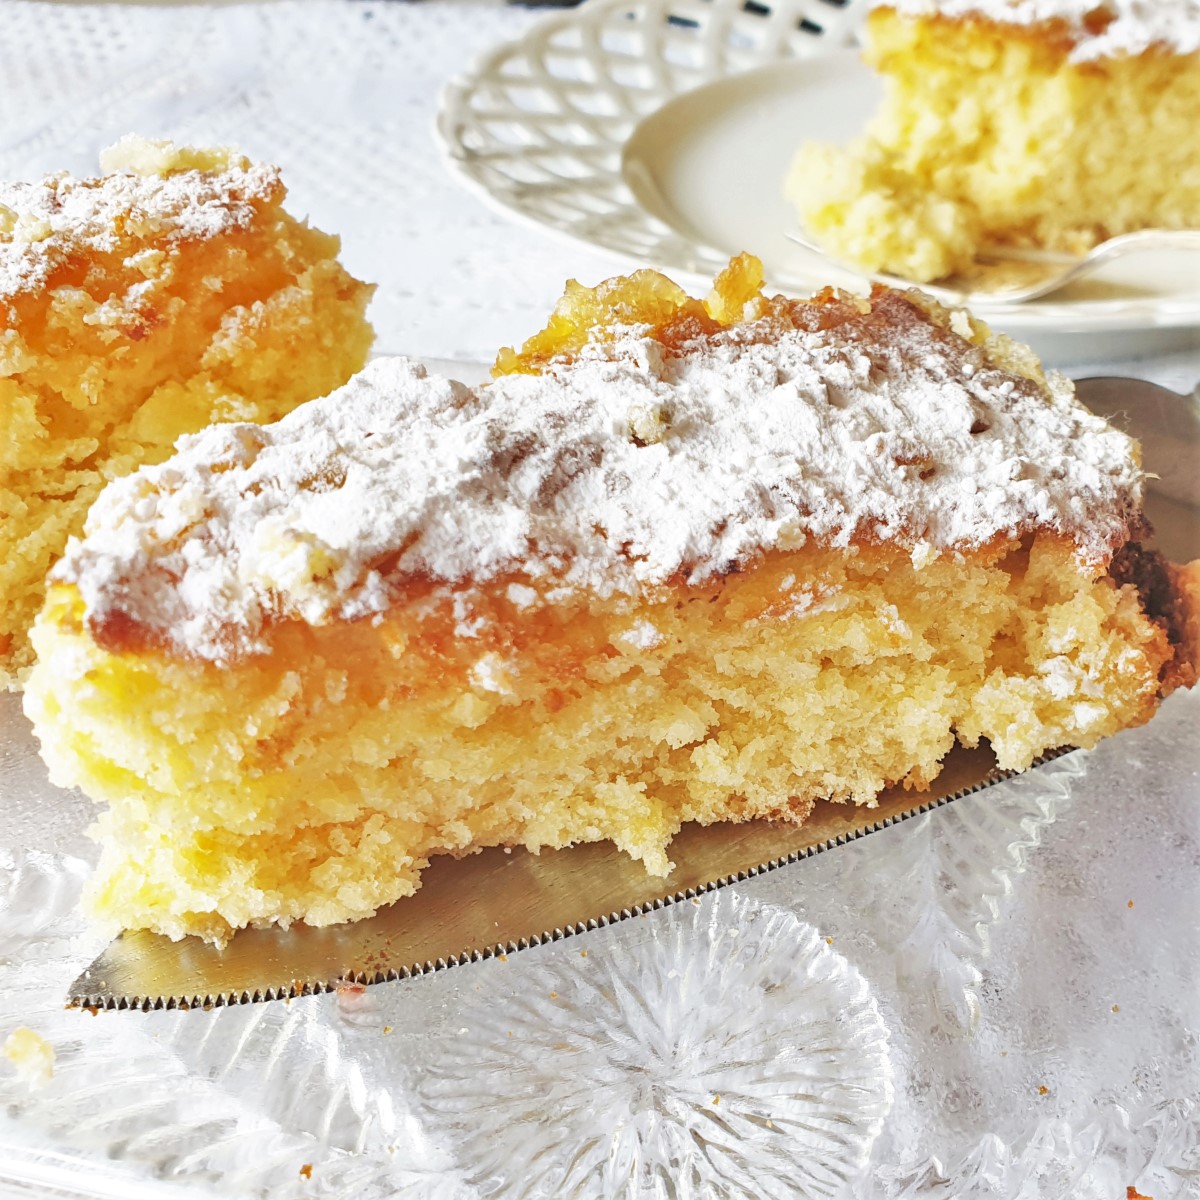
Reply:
x=32 y=1056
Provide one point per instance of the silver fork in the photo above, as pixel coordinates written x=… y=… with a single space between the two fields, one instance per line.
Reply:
x=1062 y=268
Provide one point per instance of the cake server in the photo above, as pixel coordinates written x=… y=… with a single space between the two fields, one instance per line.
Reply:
x=495 y=903
x=488 y=905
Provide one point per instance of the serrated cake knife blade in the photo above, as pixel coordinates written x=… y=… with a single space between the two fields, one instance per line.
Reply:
x=497 y=903
x=490 y=904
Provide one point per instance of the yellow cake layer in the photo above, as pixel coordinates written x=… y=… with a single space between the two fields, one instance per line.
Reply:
x=317 y=779
x=124 y=350
x=988 y=133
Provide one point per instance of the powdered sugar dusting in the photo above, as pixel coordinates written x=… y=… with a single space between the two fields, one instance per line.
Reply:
x=1135 y=25
x=622 y=470
x=43 y=224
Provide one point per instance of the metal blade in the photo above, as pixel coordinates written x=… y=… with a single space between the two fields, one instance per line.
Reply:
x=1168 y=426
x=489 y=904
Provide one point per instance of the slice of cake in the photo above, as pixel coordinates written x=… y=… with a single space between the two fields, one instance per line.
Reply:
x=1047 y=123
x=171 y=292
x=679 y=561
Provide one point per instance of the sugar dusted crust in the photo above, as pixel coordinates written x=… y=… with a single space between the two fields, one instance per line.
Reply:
x=643 y=439
x=1087 y=30
x=151 y=193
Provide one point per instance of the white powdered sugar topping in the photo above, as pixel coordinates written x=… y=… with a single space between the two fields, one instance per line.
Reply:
x=1125 y=27
x=624 y=469
x=156 y=197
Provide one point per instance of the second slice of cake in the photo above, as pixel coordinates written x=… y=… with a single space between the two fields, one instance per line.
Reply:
x=1048 y=123
x=170 y=292
x=680 y=561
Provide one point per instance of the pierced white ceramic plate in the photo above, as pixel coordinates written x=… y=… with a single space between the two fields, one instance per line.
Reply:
x=662 y=129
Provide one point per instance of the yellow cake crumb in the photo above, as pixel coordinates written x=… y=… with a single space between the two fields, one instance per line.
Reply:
x=845 y=702
x=32 y=1056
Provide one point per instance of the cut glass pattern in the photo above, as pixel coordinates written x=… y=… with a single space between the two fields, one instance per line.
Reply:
x=722 y=1048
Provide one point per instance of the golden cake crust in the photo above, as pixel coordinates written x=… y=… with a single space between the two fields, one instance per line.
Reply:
x=676 y=441
x=1083 y=30
x=62 y=229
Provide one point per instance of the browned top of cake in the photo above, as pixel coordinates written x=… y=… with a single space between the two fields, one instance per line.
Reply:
x=154 y=195
x=1088 y=29
x=638 y=453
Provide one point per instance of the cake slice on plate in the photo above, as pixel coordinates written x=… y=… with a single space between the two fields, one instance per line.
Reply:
x=170 y=292
x=1046 y=123
x=679 y=561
